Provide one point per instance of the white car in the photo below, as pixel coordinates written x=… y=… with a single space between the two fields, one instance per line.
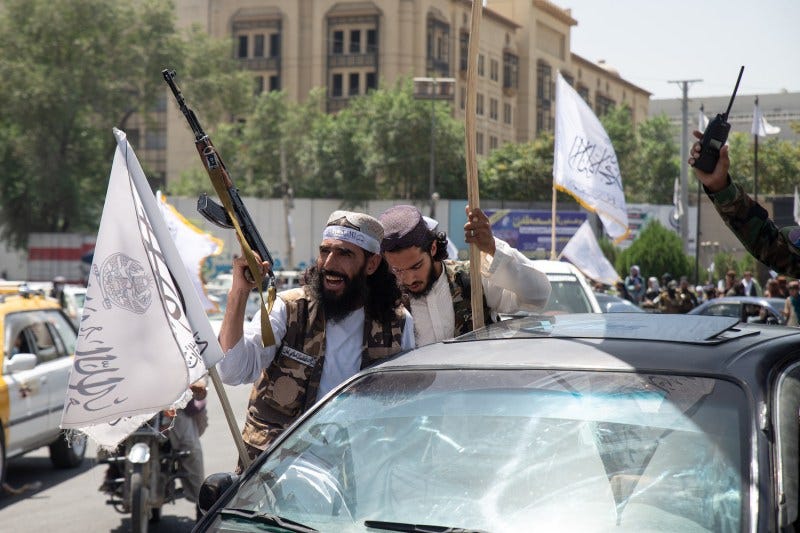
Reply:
x=570 y=293
x=38 y=347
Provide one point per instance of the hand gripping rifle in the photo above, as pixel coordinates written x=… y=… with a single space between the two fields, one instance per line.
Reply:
x=232 y=213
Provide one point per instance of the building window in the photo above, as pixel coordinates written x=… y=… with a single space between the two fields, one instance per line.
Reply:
x=242 y=46
x=494 y=69
x=583 y=91
x=492 y=143
x=479 y=104
x=336 y=86
x=493 y=108
x=603 y=104
x=155 y=139
x=510 y=71
x=480 y=65
x=258 y=84
x=544 y=97
x=438 y=59
x=569 y=79
x=274 y=44
x=371 y=82
x=463 y=98
x=463 y=50
x=507 y=113
x=338 y=42
x=274 y=83
x=353 y=85
x=479 y=143
x=258 y=45
x=355 y=41
x=372 y=41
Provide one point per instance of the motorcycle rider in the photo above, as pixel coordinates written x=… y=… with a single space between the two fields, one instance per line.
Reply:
x=188 y=424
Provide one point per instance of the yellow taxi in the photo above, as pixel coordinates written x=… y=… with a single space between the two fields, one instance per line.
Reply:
x=38 y=347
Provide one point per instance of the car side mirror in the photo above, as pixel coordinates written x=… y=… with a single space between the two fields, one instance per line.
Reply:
x=213 y=487
x=20 y=362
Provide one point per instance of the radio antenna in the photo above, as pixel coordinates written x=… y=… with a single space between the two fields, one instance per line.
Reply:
x=736 y=88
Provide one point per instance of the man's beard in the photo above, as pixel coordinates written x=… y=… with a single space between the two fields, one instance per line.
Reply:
x=428 y=286
x=336 y=307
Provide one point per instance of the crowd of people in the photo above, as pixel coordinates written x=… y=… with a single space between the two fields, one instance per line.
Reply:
x=668 y=295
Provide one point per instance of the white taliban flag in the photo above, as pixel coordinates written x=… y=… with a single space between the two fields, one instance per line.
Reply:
x=702 y=122
x=677 y=212
x=796 y=210
x=585 y=164
x=144 y=337
x=194 y=246
x=584 y=252
x=761 y=127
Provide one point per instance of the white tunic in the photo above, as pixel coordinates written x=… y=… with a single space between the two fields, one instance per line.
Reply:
x=510 y=283
x=343 y=344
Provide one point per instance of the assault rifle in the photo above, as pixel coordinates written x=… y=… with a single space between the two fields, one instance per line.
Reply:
x=233 y=212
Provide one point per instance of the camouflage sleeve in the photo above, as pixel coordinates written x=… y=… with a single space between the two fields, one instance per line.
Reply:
x=775 y=247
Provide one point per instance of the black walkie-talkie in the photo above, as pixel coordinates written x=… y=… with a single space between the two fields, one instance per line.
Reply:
x=715 y=136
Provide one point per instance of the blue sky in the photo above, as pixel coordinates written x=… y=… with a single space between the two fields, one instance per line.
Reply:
x=651 y=42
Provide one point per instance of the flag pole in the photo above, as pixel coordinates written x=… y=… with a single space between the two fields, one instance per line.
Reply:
x=473 y=196
x=755 y=162
x=226 y=408
x=553 y=226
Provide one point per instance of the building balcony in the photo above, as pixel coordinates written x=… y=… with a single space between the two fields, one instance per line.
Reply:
x=352 y=60
x=261 y=63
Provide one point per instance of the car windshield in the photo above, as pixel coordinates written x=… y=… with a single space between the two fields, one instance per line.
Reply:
x=502 y=450
x=567 y=295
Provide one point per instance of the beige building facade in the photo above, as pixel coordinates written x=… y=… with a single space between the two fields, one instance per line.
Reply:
x=351 y=47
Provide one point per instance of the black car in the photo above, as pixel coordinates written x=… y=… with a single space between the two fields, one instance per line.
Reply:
x=746 y=308
x=576 y=422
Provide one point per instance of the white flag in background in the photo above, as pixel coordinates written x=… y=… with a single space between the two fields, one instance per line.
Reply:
x=144 y=337
x=761 y=127
x=702 y=122
x=585 y=253
x=585 y=165
x=796 y=210
x=194 y=246
x=677 y=213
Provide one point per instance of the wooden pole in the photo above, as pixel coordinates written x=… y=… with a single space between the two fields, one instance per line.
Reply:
x=226 y=408
x=473 y=196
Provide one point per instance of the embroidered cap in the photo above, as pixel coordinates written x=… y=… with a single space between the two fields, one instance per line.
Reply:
x=356 y=228
x=403 y=226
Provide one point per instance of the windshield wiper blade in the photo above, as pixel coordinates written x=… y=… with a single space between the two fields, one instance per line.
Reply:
x=267 y=518
x=417 y=528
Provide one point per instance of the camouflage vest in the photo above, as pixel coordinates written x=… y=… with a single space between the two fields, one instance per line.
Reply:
x=289 y=386
x=458 y=279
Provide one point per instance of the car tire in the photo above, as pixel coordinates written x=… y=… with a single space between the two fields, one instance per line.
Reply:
x=68 y=450
x=139 y=513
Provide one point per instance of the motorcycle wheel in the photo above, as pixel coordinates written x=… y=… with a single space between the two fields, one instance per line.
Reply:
x=139 y=513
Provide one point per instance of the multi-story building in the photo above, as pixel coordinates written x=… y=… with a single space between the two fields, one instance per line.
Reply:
x=350 y=47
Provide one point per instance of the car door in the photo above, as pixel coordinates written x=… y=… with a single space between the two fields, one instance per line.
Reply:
x=29 y=408
x=55 y=338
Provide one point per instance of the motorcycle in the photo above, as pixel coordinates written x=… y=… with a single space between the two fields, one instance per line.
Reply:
x=143 y=472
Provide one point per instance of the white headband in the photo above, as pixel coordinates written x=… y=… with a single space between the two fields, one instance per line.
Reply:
x=360 y=239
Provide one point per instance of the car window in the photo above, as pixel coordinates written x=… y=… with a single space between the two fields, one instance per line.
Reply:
x=46 y=333
x=490 y=450
x=788 y=404
x=567 y=296
x=727 y=309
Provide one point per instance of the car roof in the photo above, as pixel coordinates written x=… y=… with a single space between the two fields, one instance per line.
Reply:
x=674 y=343
x=775 y=303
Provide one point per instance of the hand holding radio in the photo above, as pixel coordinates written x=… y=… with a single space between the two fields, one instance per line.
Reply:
x=706 y=153
x=718 y=179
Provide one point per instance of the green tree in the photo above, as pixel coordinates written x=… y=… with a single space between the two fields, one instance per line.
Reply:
x=618 y=124
x=519 y=171
x=652 y=178
x=656 y=250
x=69 y=71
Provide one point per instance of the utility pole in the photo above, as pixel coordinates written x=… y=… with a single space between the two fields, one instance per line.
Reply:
x=683 y=222
x=288 y=203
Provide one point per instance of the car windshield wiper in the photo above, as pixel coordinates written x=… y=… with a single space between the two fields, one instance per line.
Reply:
x=267 y=518
x=417 y=528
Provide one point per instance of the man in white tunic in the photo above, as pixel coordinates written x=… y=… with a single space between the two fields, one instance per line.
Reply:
x=347 y=316
x=437 y=288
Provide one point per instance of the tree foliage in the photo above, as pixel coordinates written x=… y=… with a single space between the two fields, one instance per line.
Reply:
x=519 y=171
x=656 y=251
x=69 y=71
